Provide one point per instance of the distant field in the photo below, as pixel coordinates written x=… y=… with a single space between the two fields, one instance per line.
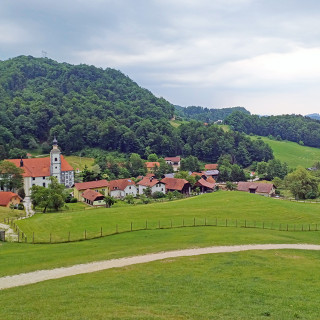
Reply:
x=79 y=162
x=292 y=153
x=220 y=205
x=280 y=284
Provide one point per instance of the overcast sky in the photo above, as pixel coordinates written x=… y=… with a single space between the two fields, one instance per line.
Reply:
x=263 y=55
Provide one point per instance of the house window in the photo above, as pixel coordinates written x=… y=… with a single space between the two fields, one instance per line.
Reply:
x=130 y=188
x=33 y=178
x=55 y=159
x=43 y=178
x=103 y=190
x=44 y=184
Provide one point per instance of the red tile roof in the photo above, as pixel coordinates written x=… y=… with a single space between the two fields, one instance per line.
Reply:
x=194 y=174
x=39 y=167
x=152 y=164
x=92 y=195
x=174 y=183
x=172 y=159
x=91 y=184
x=6 y=196
x=211 y=180
x=211 y=166
x=120 y=184
x=204 y=183
x=148 y=182
x=259 y=187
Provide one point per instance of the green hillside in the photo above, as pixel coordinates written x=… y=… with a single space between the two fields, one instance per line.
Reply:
x=293 y=153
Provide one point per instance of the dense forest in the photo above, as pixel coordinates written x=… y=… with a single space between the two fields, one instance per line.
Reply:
x=89 y=107
x=296 y=128
x=205 y=114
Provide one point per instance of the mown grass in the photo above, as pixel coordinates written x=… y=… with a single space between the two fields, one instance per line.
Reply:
x=292 y=153
x=9 y=213
x=220 y=205
x=280 y=284
x=79 y=162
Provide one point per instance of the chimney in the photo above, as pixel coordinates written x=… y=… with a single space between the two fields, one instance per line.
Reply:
x=21 y=163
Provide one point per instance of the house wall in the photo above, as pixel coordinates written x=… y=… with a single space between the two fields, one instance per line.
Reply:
x=14 y=200
x=118 y=194
x=131 y=190
x=161 y=187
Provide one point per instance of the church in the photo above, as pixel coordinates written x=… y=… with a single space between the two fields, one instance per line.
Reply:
x=37 y=171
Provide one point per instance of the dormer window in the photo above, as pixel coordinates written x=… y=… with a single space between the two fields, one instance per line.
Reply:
x=55 y=159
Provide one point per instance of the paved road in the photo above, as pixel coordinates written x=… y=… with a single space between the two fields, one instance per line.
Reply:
x=42 y=275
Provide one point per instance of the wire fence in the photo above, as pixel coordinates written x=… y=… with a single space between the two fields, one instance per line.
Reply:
x=134 y=226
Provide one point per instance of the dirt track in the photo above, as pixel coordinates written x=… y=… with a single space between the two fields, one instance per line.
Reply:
x=42 y=275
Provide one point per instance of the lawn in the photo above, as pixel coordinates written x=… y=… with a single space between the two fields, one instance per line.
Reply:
x=279 y=284
x=292 y=153
x=8 y=213
x=237 y=207
x=79 y=162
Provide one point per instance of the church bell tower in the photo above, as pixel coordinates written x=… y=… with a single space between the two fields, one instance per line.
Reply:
x=55 y=160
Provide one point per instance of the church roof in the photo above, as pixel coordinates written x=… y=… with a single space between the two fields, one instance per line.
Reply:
x=39 y=167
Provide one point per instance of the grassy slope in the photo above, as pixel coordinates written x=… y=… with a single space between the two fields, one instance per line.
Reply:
x=292 y=153
x=247 y=285
x=8 y=213
x=79 y=162
x=220 y=205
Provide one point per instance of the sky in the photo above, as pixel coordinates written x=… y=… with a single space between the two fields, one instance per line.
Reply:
x=263 y=55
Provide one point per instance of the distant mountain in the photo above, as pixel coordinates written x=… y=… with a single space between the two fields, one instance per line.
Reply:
x=315 y=116
x=206 y=114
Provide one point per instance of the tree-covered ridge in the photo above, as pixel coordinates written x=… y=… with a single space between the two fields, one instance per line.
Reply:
x=206 y=114
x=296 y=128
x=315 y=116
x=83 y=105
x=87 y=107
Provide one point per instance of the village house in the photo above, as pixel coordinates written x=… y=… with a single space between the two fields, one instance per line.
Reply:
x=93 y=198
x=205 y=186
x=174 y=162
x=211 y=166
x=151 y=166
x=37 y=171
x=7 y=198
x=122 y=187
x=151 y=182
x=210 y=173
x=174 y=184
x=264 y=189
x=101 y=186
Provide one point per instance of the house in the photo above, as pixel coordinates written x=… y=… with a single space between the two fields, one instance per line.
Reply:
x=205 y=186
x=265 y=189
x=173 y=184
x=154 y=184
x=169 y=175
x=174 y=162
x=7 y=198
x=211 y=166
x=93 y=198
x=101 y=186
x=151 y=166
x=210 y=173
x=37 y=171
x=122 y=187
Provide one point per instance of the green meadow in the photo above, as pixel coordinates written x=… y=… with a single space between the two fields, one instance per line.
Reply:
x=292 y=153
x=238 y=208
x=278 y=284
x=79 y=162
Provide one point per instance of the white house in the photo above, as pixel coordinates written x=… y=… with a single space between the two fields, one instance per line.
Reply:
x=122 y=187
x=174 y=162
x=154 y=184
x=37 y=171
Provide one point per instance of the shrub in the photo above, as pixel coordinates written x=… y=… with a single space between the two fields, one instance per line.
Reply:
x=158 y=195
x=73 y=200
x=20 y=206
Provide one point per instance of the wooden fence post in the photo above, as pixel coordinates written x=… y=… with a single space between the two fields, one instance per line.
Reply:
x=131 y=225
x=159 y=224
x=245 y=223
x=216 y=222
x=101 y=232
x=50 y=237
x=85 y=234
x=205 y=221
x=226 y=222
x=194 y=222
x=33 y=237
x=146 y=224
x=69 y=237
x=171 y=224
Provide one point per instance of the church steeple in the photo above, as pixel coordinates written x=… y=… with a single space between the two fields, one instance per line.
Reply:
x=55 y=160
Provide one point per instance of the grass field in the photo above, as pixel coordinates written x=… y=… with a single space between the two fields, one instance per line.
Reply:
x=219 y=205
x=8 y=213
x=247 y=285
x=292 y=153
x=79 y=162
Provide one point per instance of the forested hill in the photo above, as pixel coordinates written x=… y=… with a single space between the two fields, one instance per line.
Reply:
x=296 y=128
x=88 y=107
x=206 y=114
x=315 y=116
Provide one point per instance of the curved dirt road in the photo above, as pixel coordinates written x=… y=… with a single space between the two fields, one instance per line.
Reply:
x=42 y=275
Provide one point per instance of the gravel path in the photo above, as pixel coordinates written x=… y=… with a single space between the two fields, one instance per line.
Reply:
x=42 y=275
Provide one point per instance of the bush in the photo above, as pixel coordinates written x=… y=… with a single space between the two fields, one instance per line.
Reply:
x=20 y=206
x=73 y=200
x=158 y=195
